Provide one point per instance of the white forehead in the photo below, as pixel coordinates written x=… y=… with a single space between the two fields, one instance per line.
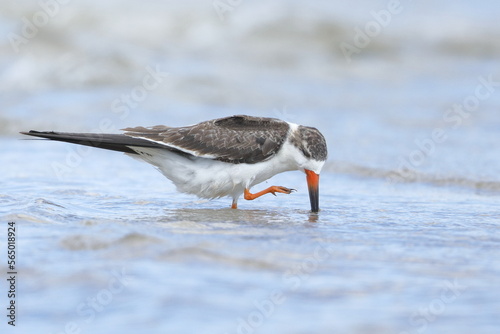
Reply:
x=315 y=166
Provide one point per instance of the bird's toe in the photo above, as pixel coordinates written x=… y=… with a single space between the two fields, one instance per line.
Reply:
x=285 y=190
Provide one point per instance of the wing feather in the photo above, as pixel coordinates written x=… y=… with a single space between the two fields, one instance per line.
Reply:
x=235 y=139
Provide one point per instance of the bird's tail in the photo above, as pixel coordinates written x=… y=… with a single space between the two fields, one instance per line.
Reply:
x=114 y=142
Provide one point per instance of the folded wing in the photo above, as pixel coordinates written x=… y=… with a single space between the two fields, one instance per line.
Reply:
x=235 y=139
x=114 y=142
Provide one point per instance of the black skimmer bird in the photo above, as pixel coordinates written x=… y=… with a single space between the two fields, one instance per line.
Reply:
x=220 y=157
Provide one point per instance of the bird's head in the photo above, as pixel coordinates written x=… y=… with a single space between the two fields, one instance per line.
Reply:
x=313 y=154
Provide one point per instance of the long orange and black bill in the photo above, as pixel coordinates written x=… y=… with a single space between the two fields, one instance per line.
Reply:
x=313 y=185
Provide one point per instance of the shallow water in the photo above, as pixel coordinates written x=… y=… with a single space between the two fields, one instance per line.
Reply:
x=407 y=240
x=390 y=259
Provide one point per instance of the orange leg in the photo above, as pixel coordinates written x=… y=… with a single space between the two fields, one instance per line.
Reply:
x=234 y=205
x=273 y=190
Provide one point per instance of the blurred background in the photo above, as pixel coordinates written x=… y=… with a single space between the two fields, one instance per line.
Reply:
x=407 y=94
x=375 y=76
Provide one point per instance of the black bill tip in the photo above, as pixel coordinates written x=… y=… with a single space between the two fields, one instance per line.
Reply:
x=313 y=185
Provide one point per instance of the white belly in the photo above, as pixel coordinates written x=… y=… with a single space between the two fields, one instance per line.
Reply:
x=209 y=178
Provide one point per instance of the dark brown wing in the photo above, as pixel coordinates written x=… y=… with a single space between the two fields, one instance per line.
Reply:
x=235 y=139
x=112 y=142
